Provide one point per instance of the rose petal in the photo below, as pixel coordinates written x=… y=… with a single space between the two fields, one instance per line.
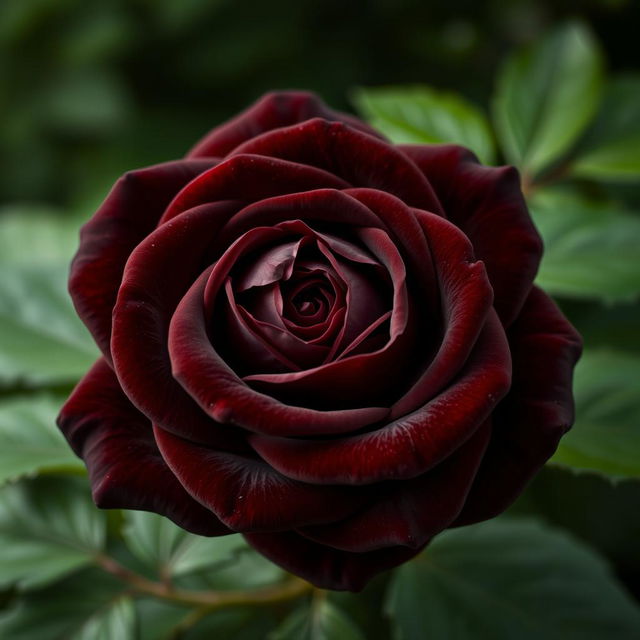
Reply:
x=271 y=266
x=410 y=445
x=466 y=297
x=322 y=205
x=355 y=380
x=258 y=343
x=409 y=513
x=126 y=469
x=271 y=111
x=324 y=567
x=250 y=178
x=538 y=410
x=357 y=158
x=247 y=494
x=153 y=283
x=400 y=223
x=130 y=212
x=487 y=204
x=226 y=398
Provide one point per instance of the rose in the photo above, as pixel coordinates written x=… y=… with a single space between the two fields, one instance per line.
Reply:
x=321 y=340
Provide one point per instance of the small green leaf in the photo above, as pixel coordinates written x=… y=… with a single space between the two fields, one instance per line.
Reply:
x=42 y=341
x=590 y=249
x=611 y=148
x=90 y=605
x=505 y=579
x=422 y=115
x=171 y=551
x=320 y=620
x=546 y=95
x=606 y=436
x=30 y=442
x=48 y=528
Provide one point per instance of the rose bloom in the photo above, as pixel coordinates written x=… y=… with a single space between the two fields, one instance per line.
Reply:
x=319 y=339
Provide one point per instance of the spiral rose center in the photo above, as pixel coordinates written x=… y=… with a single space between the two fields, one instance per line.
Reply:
x=308 y=300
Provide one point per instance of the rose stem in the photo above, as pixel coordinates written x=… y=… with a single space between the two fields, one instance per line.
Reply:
x=291 y=588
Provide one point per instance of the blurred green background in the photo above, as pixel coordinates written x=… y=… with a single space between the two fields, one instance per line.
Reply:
x=90 y=89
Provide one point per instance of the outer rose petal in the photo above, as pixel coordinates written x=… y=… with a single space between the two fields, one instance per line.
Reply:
x=153 y=283
x=250 y=178
x=409 y=513
x=130 y=212
x=487 y=204
x=361 y=160
x=323 y=566
x=125 y=467
x=466 y=298
x=538 y=410
x=272 y=111
x=247 y=494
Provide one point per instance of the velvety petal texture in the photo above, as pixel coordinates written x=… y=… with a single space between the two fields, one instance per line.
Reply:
x=323 y=341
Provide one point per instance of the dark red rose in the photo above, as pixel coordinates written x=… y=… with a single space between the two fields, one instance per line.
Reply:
x=326 y=342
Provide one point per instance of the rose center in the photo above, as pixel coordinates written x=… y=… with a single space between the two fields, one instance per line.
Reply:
x=307 y=301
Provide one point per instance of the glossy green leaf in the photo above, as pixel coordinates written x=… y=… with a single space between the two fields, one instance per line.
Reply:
x=30 y=442
x=606 y=435
x=611 y=148
x=422 y=115
x=90 y=605
x=509 y=579
x=171 y=551
x=546 y=95
x=42 y=341
x=591 y=250
x=319 y=620
x=48 y=528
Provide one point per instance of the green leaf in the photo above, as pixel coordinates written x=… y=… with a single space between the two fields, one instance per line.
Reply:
x=606 y=436
x=30 y=442
x=162 y=620
x=116 y=620
x=611 y=148
x=48 y=528
x=420 y=114
x=509 y=579
x=42 y=341
x=320 y=620
x=90 y=605
x=238 y=624
x=34 y=235
x=248 y=570
x=170 y=551
x=591 y=249
x=546 y=95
